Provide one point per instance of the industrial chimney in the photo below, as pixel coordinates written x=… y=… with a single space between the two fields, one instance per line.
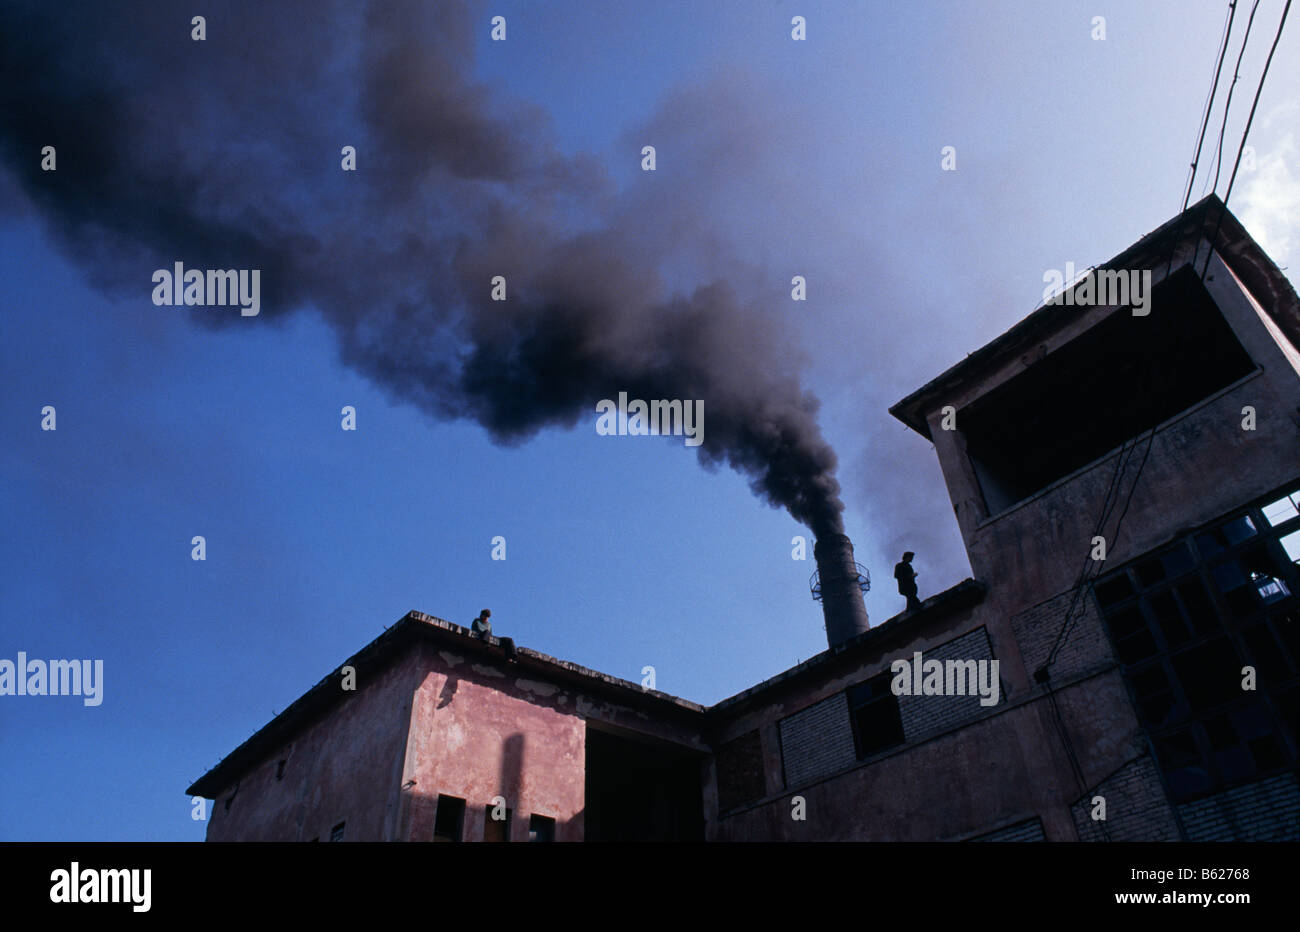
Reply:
x=838 y=584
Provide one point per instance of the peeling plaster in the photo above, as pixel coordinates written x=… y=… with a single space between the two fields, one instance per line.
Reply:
x=533 y=686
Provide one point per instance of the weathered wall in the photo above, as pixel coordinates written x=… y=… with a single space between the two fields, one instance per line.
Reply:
x=344 y=767
x=476 y=733
x=947 y=787
x=1201 y=465
x=480 y=730
x=964 y=770
x=1027 y=830
x=446 y=715
x=1010 y=768
x=1136 y=807
x=1004 y=767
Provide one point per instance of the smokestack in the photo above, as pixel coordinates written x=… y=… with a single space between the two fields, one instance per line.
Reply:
x=839 y=583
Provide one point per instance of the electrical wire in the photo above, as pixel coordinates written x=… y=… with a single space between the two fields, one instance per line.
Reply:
x=1209 y=103
x=1244 y=133
x=1121 y=462
x=1121 y=465
x=1236 y=76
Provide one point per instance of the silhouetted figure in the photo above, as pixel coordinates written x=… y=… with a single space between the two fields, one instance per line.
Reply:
x=482 y=627
x=906 y=577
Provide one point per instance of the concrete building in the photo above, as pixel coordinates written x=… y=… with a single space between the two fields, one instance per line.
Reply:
x=1125 y=473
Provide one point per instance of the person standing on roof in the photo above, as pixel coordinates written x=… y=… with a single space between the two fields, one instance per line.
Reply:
x=906 y=577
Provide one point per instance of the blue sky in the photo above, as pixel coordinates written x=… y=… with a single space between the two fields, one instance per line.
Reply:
x=777 y=158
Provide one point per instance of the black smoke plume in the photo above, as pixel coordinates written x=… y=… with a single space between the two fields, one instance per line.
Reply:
x=225 y=153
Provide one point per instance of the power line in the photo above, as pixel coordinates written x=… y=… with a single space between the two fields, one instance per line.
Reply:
x=1244 y=133
x=1125 y=455
x=1209 y=102
x=1232 y=180
x=1043 y=674
x=1254 y=104
x=1107 y=506
x=1122 y=461
x=1236 y=75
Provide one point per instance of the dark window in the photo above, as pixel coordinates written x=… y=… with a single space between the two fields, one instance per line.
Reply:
x=1185 y=621
x=279 y=771
x=1181 y=761
x=1132 y=636
x=1231 y=533
x=1210 y=674
x=1169 y=617
x=1197 y=607
x=1156 y=700
x=740 y=771
x=1288 y=707
x=1265 y=653
x=449 y=820
x=336 y=833
x=541 y=828
x=496 y=829
x=1167 y=565
x=1114 y=590
x=873 y=710
x=1287 y=626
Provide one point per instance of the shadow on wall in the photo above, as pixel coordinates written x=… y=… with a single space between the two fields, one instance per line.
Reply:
x=448 y=692
x=512 y=769
x=434 y=816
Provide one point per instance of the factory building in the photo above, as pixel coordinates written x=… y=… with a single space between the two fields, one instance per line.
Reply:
x=1124 y=467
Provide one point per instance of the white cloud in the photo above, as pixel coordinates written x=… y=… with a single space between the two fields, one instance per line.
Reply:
x=1270 y=197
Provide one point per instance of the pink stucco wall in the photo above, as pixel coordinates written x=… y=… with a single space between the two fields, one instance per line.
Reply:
x=481 y=730
x=440 y=718
x=477 y=733
x=344 y=767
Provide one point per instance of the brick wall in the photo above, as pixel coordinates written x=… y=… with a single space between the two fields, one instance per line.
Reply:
x=924 y=716
x=1028 y=830
x=1136 y=808
x=817 y=740
x=1265 y=811
x=1086 y=644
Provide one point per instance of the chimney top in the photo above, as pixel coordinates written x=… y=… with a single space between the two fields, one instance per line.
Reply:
x=838 y=584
